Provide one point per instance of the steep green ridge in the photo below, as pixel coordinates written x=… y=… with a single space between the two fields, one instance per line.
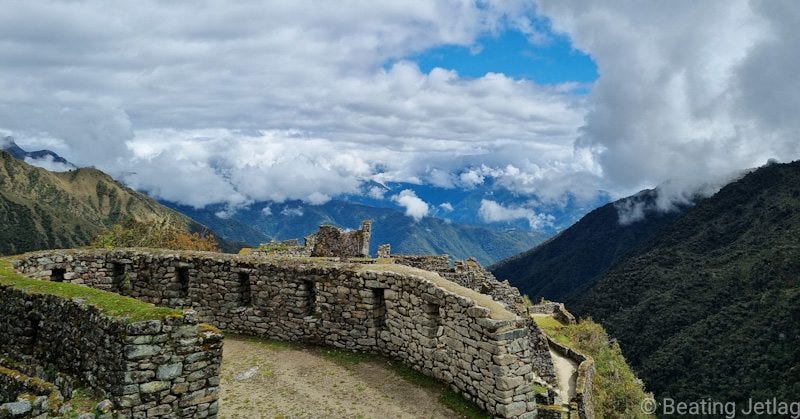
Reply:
x=44 y=210
x=577 y=257
x=710 y=306
x=427 y=236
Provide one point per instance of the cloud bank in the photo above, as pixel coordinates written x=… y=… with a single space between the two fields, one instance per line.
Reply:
x=689 y=91
x=209 y=102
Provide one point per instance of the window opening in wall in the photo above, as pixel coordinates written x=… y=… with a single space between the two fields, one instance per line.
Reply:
x=431 y=319
x=182 y=273
x=379 y=307
x=57 y=274
x=311 y=297
x=245 y=296
x=118 y=276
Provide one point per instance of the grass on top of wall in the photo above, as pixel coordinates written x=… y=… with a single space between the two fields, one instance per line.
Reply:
x=111 y=304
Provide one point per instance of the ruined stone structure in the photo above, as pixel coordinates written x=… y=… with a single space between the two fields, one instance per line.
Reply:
x=328 y=241
x=167 y=366
x=477 y=346
x=458 y=324
x=557 y=310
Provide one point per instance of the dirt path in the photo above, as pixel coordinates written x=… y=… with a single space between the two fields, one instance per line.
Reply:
x=567 y=373
x=262 y=379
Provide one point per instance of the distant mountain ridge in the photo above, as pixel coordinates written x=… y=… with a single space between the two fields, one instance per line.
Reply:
x=262 y=222
x=576 y=258
x=9 y=145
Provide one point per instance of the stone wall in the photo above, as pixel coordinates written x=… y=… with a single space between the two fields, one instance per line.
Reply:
x=557 y=310
x=435 y=263
x=331 y=241
x=584 y=405
x=439 y=328
x=24 y=396
x=164 y=367
x=469 y=273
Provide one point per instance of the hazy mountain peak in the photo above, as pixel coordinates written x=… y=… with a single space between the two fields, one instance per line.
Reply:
x=45 y=159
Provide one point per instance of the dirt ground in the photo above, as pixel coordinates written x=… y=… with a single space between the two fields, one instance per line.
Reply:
x=263 y=379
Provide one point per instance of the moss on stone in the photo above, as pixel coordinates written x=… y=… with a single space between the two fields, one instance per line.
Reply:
x=109 y=303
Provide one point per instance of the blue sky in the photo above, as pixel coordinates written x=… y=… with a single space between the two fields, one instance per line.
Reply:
x=551 y=61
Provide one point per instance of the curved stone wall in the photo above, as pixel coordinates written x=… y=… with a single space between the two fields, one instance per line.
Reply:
x=438 y=327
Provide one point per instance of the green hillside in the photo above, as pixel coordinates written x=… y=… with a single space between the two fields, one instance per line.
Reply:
x=44 y=210
x=710 y=306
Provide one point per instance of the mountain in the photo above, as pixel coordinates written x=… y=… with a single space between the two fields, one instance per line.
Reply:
x=577 y=257
x=42 y=158
x=708 y=305
x=462 y=205
x=40 y=209
x=262 y=222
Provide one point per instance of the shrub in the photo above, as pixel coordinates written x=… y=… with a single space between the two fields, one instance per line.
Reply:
x=156 y=234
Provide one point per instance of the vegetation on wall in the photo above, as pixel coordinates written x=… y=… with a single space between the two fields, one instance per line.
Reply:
x=616 y=391
x=156 y=234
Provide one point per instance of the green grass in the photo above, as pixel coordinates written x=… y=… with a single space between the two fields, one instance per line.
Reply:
x=345 y=358
x=616 y=390
x=111 y=304
x=540 y=389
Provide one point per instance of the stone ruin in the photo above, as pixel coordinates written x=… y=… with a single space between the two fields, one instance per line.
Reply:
x=329 y=241
x=457 y=324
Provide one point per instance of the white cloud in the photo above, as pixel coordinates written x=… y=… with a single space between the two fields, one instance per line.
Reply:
x=415 y=207
x=376 y=192
x=491 y=211
x=266 y=210
x=689 y=91
x=446 y=206
x=292 y=212
x=47 y=162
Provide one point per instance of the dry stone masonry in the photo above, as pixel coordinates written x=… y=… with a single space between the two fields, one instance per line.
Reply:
x=458 y=324
x=161 y=367
x=440 y=328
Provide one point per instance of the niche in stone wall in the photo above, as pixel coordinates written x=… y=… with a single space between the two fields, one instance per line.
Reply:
x=311 y=297
x=182 y=274
x=118 y=277
x=431 y=320
x=379 y=307
x=57 y=274
x=35 y=326
x=245 y=293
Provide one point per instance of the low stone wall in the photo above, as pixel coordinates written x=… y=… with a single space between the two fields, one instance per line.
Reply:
x=440 y=328
x=164 y=367
x=584 y=380
x=23 y=395
x=557 y=310
x=435 y=263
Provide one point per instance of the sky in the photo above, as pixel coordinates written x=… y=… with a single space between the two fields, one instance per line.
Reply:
x=236 y=102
